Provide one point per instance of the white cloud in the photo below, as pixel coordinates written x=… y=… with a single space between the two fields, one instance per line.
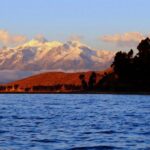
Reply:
x=75 y=38
x=7 y=39
x=126 y=39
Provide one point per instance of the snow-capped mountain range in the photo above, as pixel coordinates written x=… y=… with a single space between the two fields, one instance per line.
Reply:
x=42 y=55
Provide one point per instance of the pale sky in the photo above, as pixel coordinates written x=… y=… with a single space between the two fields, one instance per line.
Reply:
x=101 y=24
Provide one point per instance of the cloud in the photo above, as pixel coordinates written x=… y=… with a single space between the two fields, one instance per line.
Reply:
x=126 y=39
x=76 y=38
x=7 y=39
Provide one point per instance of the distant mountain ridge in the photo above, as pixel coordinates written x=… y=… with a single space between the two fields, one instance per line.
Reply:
x=38 y=55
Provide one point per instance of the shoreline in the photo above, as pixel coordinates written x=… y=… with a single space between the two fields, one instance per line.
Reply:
x=111 y=93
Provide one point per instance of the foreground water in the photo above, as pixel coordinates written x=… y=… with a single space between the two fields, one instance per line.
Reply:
x=77 y=122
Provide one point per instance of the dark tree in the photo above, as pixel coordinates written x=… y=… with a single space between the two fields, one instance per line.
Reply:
x=144 y=47
x=83 y=82
x=123 y=65
x=2 y=88
x=72 y=87
x=142 y=59
x=16 y=86
x=27 y=89
x=92 y=81
x=133 y=72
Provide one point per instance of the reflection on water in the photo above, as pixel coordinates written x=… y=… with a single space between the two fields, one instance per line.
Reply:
x=76 y=122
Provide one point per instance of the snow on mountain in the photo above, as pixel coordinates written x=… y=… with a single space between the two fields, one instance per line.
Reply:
x=37 y=55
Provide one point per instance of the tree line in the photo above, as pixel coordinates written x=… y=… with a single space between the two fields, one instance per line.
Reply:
x=131 y=72
x=84 y=86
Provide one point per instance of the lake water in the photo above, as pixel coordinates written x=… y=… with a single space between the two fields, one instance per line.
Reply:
x=74 y=122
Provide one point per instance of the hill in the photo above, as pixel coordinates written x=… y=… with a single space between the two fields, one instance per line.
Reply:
x=52 y=79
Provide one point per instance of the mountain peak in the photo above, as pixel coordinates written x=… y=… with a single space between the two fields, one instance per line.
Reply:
x=37 y=55
x=39 y=43
x=75 y=43
x=33 y=43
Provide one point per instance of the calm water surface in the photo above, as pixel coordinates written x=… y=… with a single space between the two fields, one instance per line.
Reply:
x=74 y=122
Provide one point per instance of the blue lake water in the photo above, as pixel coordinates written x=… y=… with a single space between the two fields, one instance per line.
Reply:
x=74 y=122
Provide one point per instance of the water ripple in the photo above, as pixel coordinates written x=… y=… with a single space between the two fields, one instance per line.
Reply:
x=74 y=122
